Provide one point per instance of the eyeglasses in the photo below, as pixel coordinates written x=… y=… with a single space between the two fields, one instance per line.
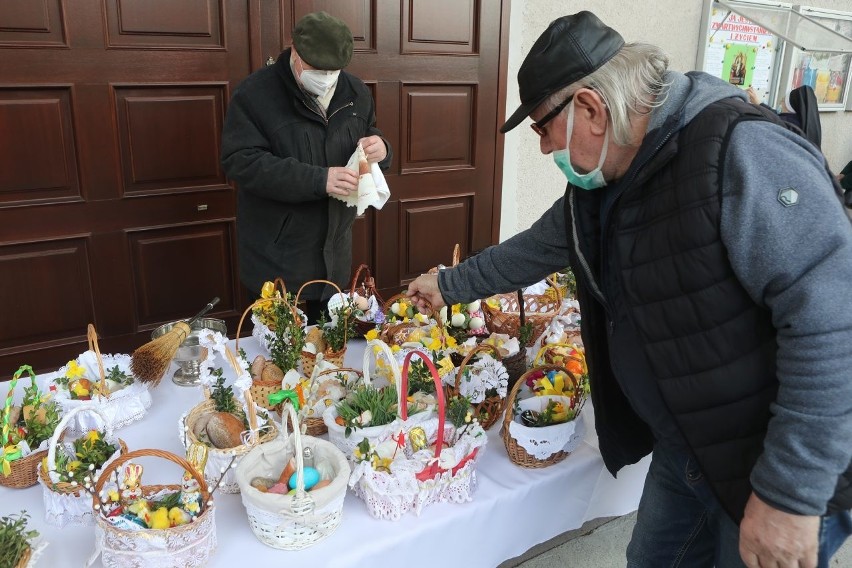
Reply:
x=539 y=128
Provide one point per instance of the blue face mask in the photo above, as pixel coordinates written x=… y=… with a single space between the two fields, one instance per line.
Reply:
x=592 y=180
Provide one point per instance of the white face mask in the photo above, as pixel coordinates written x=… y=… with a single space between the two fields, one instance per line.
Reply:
x=317 y=82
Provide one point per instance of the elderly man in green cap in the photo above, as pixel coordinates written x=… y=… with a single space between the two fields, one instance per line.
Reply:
x=289 y=132
x=712 y=254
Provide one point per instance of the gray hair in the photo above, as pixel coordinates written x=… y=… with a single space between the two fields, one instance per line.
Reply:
x=630 y=84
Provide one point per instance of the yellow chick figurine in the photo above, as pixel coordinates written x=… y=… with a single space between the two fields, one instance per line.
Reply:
x=79 y=389
x=178 y=517
x=159 y=519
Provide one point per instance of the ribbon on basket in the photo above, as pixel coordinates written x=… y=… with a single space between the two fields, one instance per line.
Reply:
x=251 y=436
x=293 y=396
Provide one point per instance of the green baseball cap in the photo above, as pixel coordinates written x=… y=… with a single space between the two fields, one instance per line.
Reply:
x=323 y=41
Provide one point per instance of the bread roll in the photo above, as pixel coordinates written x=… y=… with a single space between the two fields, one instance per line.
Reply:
x=224 y=430
x=257 y=367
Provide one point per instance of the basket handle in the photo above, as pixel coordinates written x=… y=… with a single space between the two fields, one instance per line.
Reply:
x=302 y=503
x=252 y=413
x=278 y=283
x=456 y=255
x=329 y=371
x=261 y=302
x=478 y=349
x=60 y=428
x=7 y=405
x=433 y=469
x=510 y=400
x=369 y=278
x=113 y=466
x=394 y=366
x=336 y=287
x=553 y=284
x=92 y=336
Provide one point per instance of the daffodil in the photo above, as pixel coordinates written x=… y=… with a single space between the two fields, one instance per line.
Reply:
x=372 y=334
x=445 y=366
x=74 y=466
x=456 y=309
x=74 y=371
x=267 y=290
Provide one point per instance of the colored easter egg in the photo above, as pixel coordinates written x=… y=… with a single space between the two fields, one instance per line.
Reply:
x=312 y=477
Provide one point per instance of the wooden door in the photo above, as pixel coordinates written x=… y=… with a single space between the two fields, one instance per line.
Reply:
x=113 y=206
x=437 y=72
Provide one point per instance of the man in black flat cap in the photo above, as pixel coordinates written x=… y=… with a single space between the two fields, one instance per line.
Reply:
x=289 y=132
x=711 y=251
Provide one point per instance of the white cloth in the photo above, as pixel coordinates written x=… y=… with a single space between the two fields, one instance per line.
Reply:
x=372 y=191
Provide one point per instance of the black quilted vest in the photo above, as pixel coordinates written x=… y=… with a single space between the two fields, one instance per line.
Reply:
x=710 y=348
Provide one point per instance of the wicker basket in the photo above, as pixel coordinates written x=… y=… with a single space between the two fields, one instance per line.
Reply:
x=260 y=389
x=489 y=410
x=24 y=558
x=23 y=471
x=418 y=477
x=516 y=452
x=365 y=290
x=516 y=365
x=395 y=333
x=293 y=522
x=122 y=407
x=314 y=425
x=334 y=357
x=218 y=458
x=189 y=545
x=538 y=309
x=67 y=503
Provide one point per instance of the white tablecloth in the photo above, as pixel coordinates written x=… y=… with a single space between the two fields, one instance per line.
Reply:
x=513 y=509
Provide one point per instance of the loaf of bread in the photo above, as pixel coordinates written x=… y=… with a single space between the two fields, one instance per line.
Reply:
x=257 y=367
x=271 y=373
x=224 y=429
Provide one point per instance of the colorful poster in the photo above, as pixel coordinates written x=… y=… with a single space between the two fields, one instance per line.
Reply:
x=826 y=73
x=739 y=51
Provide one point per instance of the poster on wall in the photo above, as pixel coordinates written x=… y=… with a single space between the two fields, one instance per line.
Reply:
x=740 y=52
x=826 y=73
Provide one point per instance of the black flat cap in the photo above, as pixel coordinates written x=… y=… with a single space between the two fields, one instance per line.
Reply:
x=323 y=41
x=571 y=48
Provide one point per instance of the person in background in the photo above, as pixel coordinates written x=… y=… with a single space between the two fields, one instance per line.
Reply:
x=711 y=253
x=800 y=108
x=289 y=131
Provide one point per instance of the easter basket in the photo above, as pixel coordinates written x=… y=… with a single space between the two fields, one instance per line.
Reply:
x=367 y=290
x=261 y=389
x=398 y=332
x=337 y=432
x=66 y=502
x=317 y=398
x=334 y=357
x=263 y=330
x=403 y=473
x=293 y=522
x=538 y=447
x=185 y=546
x=219 y=458
x=475 y=381
x=19 y=462
x=121 y=406
x=503 y=312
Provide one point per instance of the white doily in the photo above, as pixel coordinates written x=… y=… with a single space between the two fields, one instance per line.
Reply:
x=215 y=343
x=189 y=545
x=122 y=407
x=479 y=377
x=543 y=442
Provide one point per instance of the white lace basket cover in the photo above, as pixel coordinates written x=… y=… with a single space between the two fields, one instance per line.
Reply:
x=221 y=459
x=293 y=522
x=121 y=407
x=337 y=433
x=543 y=442
x=479 y=377
x=61 y=509
x=418 y=479
x=264 y=335
x=186 y=546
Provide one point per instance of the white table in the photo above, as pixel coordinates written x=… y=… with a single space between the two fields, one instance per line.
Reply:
x=513 y=509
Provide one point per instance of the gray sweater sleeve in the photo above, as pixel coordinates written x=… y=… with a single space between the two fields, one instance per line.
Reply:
x=515 y=263
x=797 y=262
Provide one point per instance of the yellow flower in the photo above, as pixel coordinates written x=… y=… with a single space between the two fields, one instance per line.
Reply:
x=75 y=371
x=372 y=334
x=74 y=465
x=268 y=290
x=456 y=309
x=93 y=436
x=493 y=302
x=434 y=345
x=395 y=348
x=445 y=365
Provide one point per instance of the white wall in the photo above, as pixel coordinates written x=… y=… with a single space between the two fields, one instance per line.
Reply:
x=531 y=182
